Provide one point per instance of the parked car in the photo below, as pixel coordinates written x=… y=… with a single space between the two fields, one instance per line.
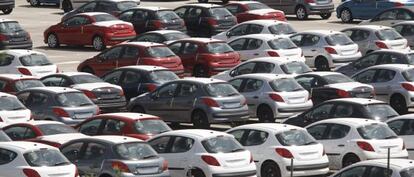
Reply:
x=371 y=37
x=270 y=97
x=13 y=83
x=132 y=53
x=253 y=10
x=13 y=36
x=256 y=27
x=204 y=57
x=114 y=155
x=46 y=132
x=160 y=36
x=344 y=107
x=265 y=65
x=107 y=96
x=391 y=16
x=36 y=3
x=203 y=153
x=403 y=126
x=325 y=49
x=201 y=101
x=205 y=19
x=61 y=104
x=34 y=160
x=136 y=80
x=12 y=110
x=266 y=45
x=97 y=29
x=406 y=29
x=150 y=18
x=330 y=85
x=350 y=140
x=140 y=126
x=397 y=168
x=26 y=62
x=302 y=9
x=378 y=57
x=7 y=6
x=274 y=145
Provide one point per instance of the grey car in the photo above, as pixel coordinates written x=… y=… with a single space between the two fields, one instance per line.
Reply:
x=302 y=8
x=198 y=100
x=61 y=104
x=113 y=156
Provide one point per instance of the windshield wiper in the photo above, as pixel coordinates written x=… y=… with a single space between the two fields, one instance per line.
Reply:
x=85 y=104
x=391 y=137
x=19 y=108
x=232 y=94
x=149 y=156
x=60 y=163
x=237 y=150
x=309 y=143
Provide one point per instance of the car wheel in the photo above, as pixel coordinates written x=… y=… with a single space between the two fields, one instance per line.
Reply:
x=398 y=103
x=200 y=71
x=87 y=70
x=265 y=114
x=346 y=16
x=270 y=169
x=98 y=43
x=67 y=6
x=52 y=40
x=7 y=11
x=326 y=16
x=200 y=120
x=322 y=64
x=349 y=160
x=301 y=13
x=34 y=3
x=138 y=109
x=196 y=173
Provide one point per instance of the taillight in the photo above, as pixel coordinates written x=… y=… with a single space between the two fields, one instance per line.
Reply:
x=251 y=158
x=3 y=37
x=381 y=45
x=210 y=102
x=89 y=94
x=165 y=165
x=24 y=71
x=276 y=97
x=119 y=166
x=30 y=172
x=212 y=21
x=342 y=93
x=365 y=146
x=284 y=153
x=210 y=160
x=157 y=24
x=60 y=112
x=330 y=50
x=151 y=87
x=407 y=86
x=272 y=53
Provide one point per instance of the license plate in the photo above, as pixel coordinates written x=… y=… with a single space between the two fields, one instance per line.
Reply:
x=17 y=39
x=107 y=96
x=147 y=170
x=363 y=95
x=232 y=105
x=83 y=116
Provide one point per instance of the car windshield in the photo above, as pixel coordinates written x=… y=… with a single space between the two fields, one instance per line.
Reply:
x=4 y=137
x=295 y=68
x=27 y=83
x=160 y=51
x=166 y=15
x=83 y=79
x=34 y=60
x=73 y=99
x=388 y=34
x=135 y=151
x=175 y=36
x=219 y=12
x=219 y=47
x=9 y=27
x=45 y=158
x=409 y=74
x=255 y=6
x=221 y=144
x=281 y=43
x=122 y=6
x=104 y=17
x=337 y=78
x=151 y=126
x=9 y=103
x=376 y=131
x=162 y=76
x=381 y=112
x=221 y=90
x=295 y=137
x=338 y=39
x=285 y=85
x=281 y=28
x=408 y=172
x=53 y=129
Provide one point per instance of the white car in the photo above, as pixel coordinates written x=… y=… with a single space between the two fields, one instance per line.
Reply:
x=205 y=153
x=12 y=110
x=393 y=83
x=27 y=159
x=378 y=168
x=272 y=96
x=265 y=65
x=406 y=29
x=274 y=145
x=350 y=140
x=325 y=49
x=403 y=126
x=372 y=37
x=266 y=45
x=256 y=27
x=26 y=62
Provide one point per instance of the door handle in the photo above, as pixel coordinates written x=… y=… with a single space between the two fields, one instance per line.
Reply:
x=313 y=50
x=341 y=145
x=255 y=54
x=255 y=97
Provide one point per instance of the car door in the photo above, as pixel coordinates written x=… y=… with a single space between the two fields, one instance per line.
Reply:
x=239 y=45
x=107 y=7
x=184 y=100
x=181 y=155
x=91 y=158
x=251 y=91
x=161 y=102
x=113 y=77
x=163 y=147
x=366 y=61
x=239 y=30
x=108 y=59
x=253 y=141
x=363 y=9
x=404 y=128
x=315 y=86
x=130 y=55
x=244 y=68
x=71 y=33
x=383 y=84
x=140 y=20
x=360 y=37
x=131 y=83
x=386 y=18
x=127 y=15
x=307 y=42
x=38 y=103
x=193 y=18
x=189 y=55
x=56 y=81
x=407 y=31
x=72 y=152
x=321 y=112
x=288 y=6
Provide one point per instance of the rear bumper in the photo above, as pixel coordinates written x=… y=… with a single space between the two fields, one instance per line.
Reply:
x=20 y=45
x=236 y=174
x=231 y=115
x=113 y=40
x=307 y=167
x=320 y=9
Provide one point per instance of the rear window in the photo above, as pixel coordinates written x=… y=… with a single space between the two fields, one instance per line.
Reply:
x=221 y=89
x=281 y=43
x=25 y=84
x=151 y=126
x=104 y=17
x=381 y=112
x=45 y=158
x=219 y=47
x=255 y=6
x=135 y=151
x=337 y=78
x=408 y=75
x=34 y=60
x=281 y=28
x=73 y=99
x=175 y=36
x=9 y=27
x=126 y=5
x=219 y=12
x=160 y=51
x=162 y=76
x=388 y=34
x=376 y=131
x=167 y=15
x=53 y=129
x=8 y=103
x=82 y=79
x=408 y=172
x=295 y=138
x=221 y=144
x=338 y=39
x=295 y=68
x=285 y=85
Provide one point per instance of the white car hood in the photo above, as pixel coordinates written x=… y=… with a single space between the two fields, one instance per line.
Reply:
x=62 y=138
x=16 y=116
x=349 y=85
x=110 y=23
x=261 y=11
x=91 y=86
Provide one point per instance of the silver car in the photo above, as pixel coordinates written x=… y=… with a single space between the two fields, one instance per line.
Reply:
x=200 y=101
x=61 y=104
x=272 y=96
x=302 y=8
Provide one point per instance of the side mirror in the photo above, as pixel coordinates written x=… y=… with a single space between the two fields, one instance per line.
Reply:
x=232 y=73
x=228 y=34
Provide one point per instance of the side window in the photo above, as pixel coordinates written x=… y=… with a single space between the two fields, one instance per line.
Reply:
x=180 y=12
x=359 y=35
x=131 y=77
x=254 y=44
x=318 y=131
x=297 y=39
x=238 y=135
x=167 y=91
x=366 y=61
x=113 y=126
x=233 y=8
x=388 y=15
x=379 y=172
x=321 y=112
x=236 y=83
x=255 y=138
x=399 y=29
x=72 y=151
x=94 y=151
x=160 y=144
x=239 y=30
x=6 y=156
x=90 y=7
x=126 y=16
x=5 y=59
x=402 y=14
x=255 y=29
x=338 y=131
x=91 y=127
x=409 y=128
x=252 y=85
x=181 y=144
x=343 y=110
x=36 y=99
x=310 y=40
x=20 y=133
x=106 y=7
x=24 y=97
x=384 y=75
x=391 y=59
x=194 y=12
x=244 y=69
x=264 y=67
x=408 y=30
x=55 y=81
x=366 y=76
x=308 y=82
x=238 y=44
x=397 y=126
x=130 y=53
x=113 y=77
x=113 y=53
x=176 y=48
x=190 y=48
x=353 y=172
x=187 y=90
x=150 y=38
x=139 y=15
x=75 y=21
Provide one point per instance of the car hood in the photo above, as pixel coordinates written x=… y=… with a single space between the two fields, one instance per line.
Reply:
x=262 y=11
x=92 y=86
x=348 y=86
x=110 y=23
x=62 y=138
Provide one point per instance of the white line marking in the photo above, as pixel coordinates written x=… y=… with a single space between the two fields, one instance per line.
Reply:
x=68 y=63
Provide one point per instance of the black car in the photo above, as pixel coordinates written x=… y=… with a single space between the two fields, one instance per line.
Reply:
x=136 y=80
x=206 y=19
x=7 y=6
x=376 y=58
x=13 y=36
x=113 y=7
x=153 y=18
x=160 y=36
x=324 y=86
x=344 y=108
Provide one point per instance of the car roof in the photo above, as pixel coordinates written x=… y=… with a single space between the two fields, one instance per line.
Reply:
x=16 y=76
x=368 y=27
x=144 y=67
x=2 y=94
x=398 y=163
x=144 y=44
x=274 y=60
x=152 y=8
x=198 y=134
x=399 y=67
x=23 y=146
x=205 y=5
x=93 y=13
x=201 y=80
x=320 y=32
x=273 y=127
x=361 y=101
x=53 y=89
x=405 y=116
x=264 y=76
x=321 y=73
x=38 y=122
x=243 y=2
x=129 y=115
x=69 y=74
x=163 y=32
x=201 y=39
x=263 y=22
x=113 y=139
x=21 y=52
x=393 y=51
x=265 y=37
x=353 y=122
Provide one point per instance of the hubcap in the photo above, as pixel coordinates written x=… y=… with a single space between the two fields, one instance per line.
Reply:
x=301 y=12
x=270 y=172
x=345 y=15
x=51 y=40
x=97 y=43
x=34 y=2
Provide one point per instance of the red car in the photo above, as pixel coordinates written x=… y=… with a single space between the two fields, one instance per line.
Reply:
x=252 y=10
x=46 y=132
x=204 y=57
x=133 y=53
x=92 y=28
x=136 y=125
x=13 y=83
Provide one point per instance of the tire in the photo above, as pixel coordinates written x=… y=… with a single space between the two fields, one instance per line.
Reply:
x=398 y=103
x=265 y=114
x=52 y=40
x=326 y=16
x=200 y=120
x=270 y=169
x=301 y=13
x=34 y=3
x=7 y=11
x=346 y=16
x=98 y=43
x=203 y=1
x=67 y=6
x=349 y=160
x=138 y=109
x=322 y=64
x=200 y=71
x=87 y=70
x=197 y=173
